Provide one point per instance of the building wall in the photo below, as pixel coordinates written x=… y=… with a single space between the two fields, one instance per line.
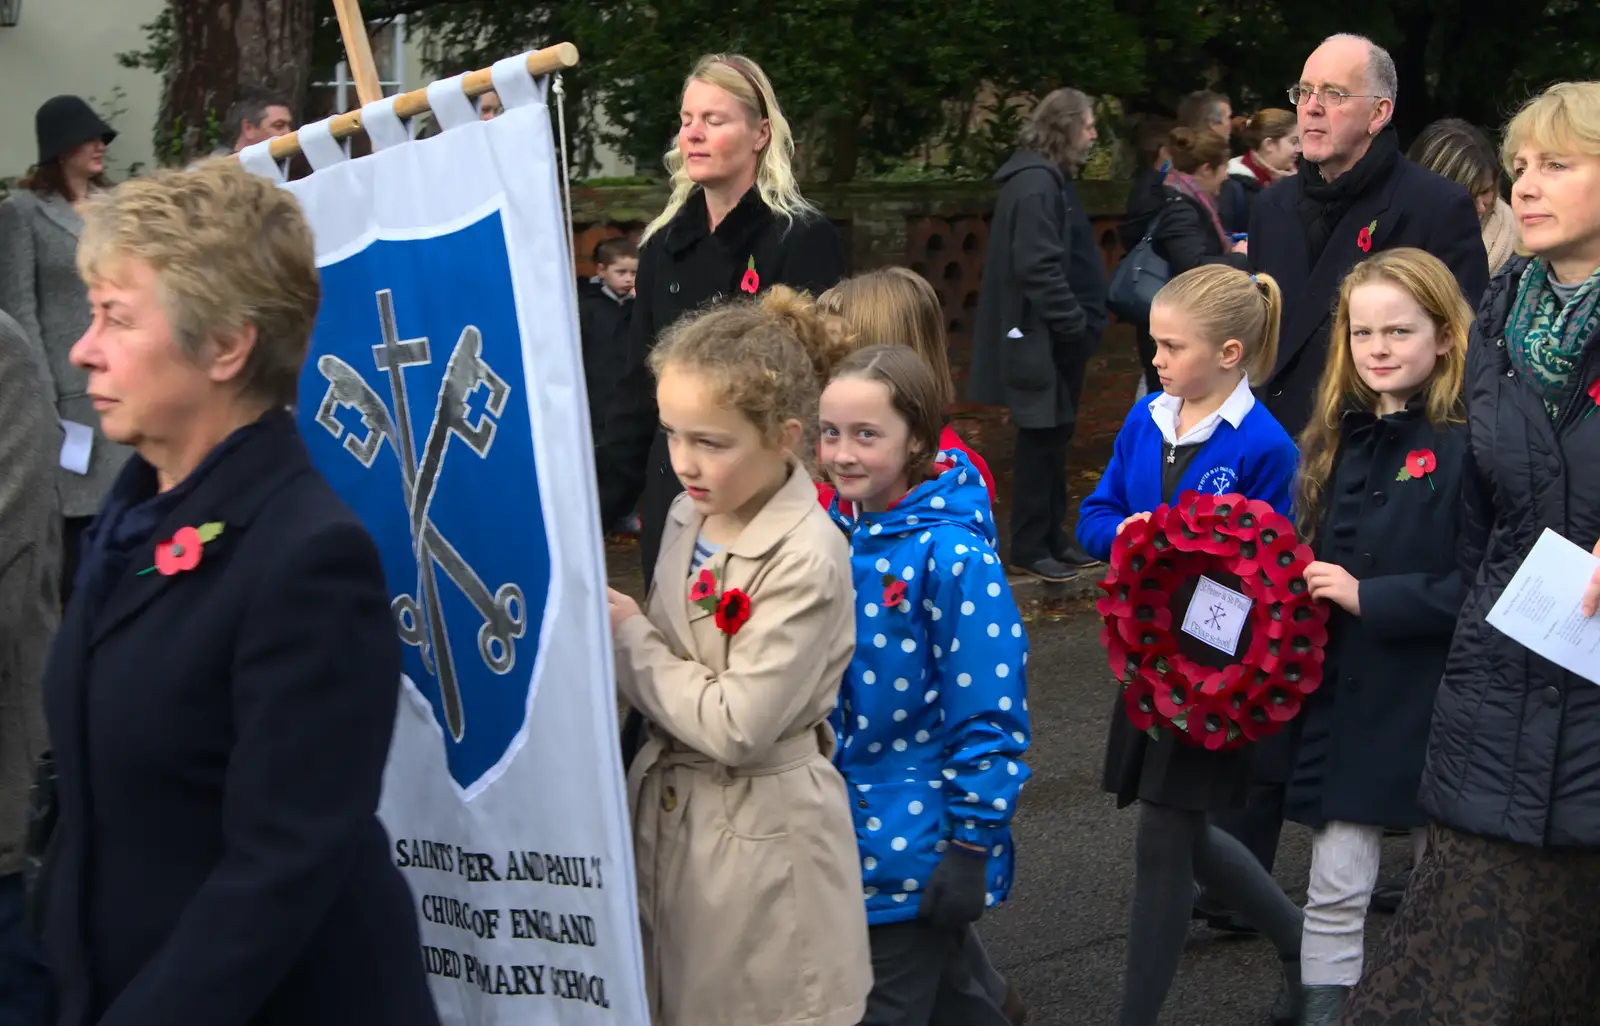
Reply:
x=70 y=46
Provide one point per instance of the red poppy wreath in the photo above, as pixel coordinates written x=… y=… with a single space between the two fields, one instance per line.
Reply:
x=1208 y=622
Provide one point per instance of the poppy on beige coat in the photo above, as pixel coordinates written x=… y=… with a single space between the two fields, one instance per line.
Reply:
x=749 y=886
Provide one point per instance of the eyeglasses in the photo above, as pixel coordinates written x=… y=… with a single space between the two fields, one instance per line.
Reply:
x=1300 y=96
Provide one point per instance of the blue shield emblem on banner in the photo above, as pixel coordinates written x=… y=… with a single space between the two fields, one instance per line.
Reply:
x=414 y=405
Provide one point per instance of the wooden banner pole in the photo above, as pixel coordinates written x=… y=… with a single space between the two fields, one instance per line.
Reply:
x=408 y=105
x=358 y=50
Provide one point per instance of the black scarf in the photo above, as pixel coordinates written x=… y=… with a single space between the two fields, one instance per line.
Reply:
x=1324 y=204
x=134 y=510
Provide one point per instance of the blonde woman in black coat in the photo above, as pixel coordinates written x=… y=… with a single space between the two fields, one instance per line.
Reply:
x=222 y=692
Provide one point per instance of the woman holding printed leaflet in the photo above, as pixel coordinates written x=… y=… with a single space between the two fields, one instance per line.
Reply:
x=1498 y=924
x=1215 y=328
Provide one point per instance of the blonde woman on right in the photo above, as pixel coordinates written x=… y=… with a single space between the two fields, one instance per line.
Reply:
x=1498 y=924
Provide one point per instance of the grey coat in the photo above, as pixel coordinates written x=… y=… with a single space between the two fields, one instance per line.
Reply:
x=30 y=561
x=40 y=288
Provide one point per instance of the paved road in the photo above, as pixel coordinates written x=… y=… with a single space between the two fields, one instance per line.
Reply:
x=1061 y=937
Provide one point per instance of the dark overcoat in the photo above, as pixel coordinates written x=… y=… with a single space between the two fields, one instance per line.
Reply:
x=220 y=737
x=1042 y=302
x=1410 y=206
x=1514 y=751
x=1364 y=731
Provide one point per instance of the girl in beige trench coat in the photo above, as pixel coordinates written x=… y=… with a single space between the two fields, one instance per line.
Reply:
x=749 y=884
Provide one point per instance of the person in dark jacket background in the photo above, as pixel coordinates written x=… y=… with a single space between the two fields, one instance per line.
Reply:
x=735 y=224
x=30 y=552
x=222 y=691
x=1499 y=925
x=603 y=309
x=1210 y=111
x=1041 y=309
x=1146 y=195
x=1379 y=499
x=1189 y=229
x=1272 y=153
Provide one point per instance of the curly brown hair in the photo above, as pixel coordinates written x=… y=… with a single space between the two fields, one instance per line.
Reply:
x=767 y=359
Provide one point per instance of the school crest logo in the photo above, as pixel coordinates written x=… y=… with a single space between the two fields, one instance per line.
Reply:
x=1218 y=481
x=414 y=406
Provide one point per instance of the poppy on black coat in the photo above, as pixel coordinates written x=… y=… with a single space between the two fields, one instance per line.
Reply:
x=683 y=267
x=1363 y=733
x=1385 y=200
x=220 y=736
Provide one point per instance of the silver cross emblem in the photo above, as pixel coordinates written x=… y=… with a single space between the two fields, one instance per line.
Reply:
x=420 y=617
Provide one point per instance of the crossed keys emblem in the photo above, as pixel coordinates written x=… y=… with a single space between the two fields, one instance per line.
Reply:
x=420 y=617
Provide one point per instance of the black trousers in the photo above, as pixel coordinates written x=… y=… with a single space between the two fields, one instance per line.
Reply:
x=1039 y=493
x=925 y=976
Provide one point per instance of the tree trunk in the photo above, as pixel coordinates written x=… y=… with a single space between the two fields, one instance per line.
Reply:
x=221 y=49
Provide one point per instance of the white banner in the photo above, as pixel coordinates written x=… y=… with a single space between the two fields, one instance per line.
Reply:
x=444 y=400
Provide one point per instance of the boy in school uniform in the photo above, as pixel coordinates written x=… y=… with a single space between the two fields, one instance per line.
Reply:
x=605 y=304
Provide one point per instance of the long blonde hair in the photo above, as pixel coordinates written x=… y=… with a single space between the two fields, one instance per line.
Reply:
x=775 y=181
x=1227 y=303
x=1425 y=279
x=894 y=306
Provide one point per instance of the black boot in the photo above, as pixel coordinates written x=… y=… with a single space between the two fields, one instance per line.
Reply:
x=1322 y=1006
x=1286 y=1007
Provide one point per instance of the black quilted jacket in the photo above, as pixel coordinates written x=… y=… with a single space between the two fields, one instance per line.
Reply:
x=1514 y=750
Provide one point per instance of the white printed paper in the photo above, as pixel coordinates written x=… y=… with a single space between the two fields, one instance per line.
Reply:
x=1217 y=615
x=77 y=442
x=1539 y=608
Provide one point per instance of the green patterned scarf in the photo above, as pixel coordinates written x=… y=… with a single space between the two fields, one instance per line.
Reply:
x=1546 y=339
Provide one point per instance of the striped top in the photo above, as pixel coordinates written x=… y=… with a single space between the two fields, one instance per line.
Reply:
x=703 y=551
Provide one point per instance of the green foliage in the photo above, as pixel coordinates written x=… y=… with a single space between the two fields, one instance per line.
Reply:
x=917 y=91
x=157 y=52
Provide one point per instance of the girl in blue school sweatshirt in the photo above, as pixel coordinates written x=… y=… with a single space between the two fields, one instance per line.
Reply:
x=932 y=716
x=1215 y=328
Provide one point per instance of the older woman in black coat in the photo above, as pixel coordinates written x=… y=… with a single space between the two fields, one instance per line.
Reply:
x=221 y=694
x=1498 y=924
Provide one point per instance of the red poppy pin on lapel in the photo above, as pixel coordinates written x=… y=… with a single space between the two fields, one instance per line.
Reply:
x=1594 y=393
x=182 y=551
x=751 y=280
x=730 y=608
x=733 y=609
x=1419 y=463
x=1364 y=240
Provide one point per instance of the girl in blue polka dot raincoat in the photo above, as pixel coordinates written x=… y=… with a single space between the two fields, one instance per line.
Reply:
x=932 y=716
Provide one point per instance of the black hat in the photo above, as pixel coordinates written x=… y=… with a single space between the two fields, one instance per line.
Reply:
x=64 y=122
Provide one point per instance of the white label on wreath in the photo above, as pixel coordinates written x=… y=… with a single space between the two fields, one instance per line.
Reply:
x=1217 y=615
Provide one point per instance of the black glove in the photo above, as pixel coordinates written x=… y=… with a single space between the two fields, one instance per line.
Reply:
x=955 y=893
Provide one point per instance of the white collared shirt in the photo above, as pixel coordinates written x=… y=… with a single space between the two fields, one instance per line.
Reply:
x=1164 y=411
